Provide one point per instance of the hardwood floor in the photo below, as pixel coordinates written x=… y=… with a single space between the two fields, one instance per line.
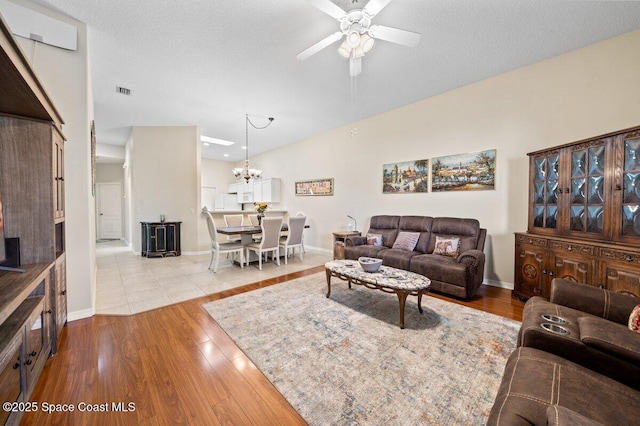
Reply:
x=175 y=365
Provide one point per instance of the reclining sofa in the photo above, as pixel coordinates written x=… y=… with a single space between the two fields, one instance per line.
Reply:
x=584 y=371
x=446 y=250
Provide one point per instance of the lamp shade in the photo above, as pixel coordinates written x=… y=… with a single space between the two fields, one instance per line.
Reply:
x=344 y=50
x=366 y=43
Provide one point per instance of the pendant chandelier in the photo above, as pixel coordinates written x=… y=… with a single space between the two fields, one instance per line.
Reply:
x=246 y=172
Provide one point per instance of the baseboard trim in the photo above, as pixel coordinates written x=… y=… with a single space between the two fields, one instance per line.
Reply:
x=494 y=283
x=77 y=315
x=320 y=249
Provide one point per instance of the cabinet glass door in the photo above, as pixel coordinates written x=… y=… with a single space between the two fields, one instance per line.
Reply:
x=545 y=191
x=631 y=189
x=587 y=192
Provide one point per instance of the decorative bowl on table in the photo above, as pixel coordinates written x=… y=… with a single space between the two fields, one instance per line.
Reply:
x=370 y=264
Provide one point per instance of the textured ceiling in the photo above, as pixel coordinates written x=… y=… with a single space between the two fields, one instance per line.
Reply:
x=207 y=63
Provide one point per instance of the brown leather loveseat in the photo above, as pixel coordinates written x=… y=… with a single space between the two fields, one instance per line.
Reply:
x=584 y=371
x=457 y=270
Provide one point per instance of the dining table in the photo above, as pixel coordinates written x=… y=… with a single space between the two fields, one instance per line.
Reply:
x=247 y=232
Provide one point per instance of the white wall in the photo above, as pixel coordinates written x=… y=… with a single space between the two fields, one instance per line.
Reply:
x=577 y=95
x=65 y=76
x=113 y=153
x=165 y=179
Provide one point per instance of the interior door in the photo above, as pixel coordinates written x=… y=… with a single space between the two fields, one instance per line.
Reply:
x=109 y=210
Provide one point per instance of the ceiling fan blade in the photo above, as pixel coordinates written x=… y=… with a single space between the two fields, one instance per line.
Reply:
x=394 y=35
x=329 y=8
x=355 y=66
x=327 y=41
x=375 y=6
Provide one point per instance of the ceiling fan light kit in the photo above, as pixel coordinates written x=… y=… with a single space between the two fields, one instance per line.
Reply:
x=358 y=33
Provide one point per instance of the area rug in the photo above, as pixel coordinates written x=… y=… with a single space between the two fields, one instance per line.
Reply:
x=343 y=360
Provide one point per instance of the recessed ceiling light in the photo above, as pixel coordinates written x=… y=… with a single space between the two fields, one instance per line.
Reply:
x=244 y=147
x=206 y=143
x=226 y=155
x=216 y=141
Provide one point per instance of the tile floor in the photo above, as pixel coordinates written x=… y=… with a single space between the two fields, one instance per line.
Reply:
x=129 y=283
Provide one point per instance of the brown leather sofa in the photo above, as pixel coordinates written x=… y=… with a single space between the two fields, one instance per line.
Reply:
x=587 y=371
x=459 y=276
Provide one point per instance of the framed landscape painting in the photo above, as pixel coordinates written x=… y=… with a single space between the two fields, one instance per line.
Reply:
x=405 y=177
x=464 y=172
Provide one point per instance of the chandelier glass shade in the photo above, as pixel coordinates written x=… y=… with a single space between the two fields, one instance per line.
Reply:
x=246 y=172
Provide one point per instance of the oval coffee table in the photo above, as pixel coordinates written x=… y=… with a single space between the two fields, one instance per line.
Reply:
x=386 y=279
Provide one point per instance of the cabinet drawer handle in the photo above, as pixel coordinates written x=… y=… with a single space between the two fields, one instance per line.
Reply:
x=33 y=353
x=16 y=365
x=601 y=286
x=530 y=241
x=629 y=258
x=48 y=311
x=618 y=187
x=544 y=271
x=570 y=248
x=28 y=362
x=550 y=273
x=63 y=292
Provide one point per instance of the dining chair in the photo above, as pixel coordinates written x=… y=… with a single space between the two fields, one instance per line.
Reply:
x=270 y=240
x=218 y=247
x=301 y=213
x=233 y=220
x=294 y=238
x=253 y=219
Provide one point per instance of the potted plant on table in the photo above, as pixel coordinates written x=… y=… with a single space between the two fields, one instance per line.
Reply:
x=260 y=207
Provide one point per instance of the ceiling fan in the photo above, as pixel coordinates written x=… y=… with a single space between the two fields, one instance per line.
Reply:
x=359 y=33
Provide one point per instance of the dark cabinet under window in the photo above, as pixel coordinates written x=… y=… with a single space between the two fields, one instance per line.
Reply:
x=160 y=239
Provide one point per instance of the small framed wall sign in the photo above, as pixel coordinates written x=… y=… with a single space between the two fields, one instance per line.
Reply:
x=315 y=187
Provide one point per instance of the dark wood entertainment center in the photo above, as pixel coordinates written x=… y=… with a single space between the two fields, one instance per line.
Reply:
x=33 y=304
x=584 y=216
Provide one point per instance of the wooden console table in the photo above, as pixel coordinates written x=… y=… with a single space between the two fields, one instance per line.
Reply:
x=160 y=239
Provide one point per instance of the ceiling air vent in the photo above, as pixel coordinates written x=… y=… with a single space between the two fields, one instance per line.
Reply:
x=123 y=90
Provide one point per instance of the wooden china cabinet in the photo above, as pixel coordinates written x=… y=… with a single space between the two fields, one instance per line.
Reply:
x=584 y=216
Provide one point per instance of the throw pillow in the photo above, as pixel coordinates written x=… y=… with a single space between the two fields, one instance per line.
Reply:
x=406 y=241
x=374 y=239
x=447 y=246
x=634 y=319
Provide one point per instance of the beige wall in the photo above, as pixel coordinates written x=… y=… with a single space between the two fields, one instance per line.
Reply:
x=128 y=191
x=65 y=76
x=214 y=174
x=165 y=179
x=584 y=93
